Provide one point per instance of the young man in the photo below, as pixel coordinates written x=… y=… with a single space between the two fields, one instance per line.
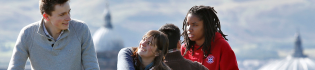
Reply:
x=174 y=59
x=55 y=42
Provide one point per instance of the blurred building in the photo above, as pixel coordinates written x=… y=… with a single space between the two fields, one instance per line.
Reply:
x=296 y=61
x=107 y=44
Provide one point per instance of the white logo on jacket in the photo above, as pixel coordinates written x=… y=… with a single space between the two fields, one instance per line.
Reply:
x=210 y=59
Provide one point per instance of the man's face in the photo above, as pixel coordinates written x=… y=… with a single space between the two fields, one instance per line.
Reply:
x=60 y=17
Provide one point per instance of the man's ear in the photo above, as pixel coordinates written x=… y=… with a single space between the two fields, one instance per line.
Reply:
x=46 y=16
x=178 y=45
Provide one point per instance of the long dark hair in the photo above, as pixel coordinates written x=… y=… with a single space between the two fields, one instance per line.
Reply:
x=160 y=41
x=211 y=25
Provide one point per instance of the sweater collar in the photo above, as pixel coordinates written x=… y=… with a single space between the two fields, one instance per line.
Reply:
x=41 y=31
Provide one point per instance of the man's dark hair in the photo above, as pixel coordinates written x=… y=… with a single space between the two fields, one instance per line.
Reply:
x=173 y=34
x=47 y=6
x=211 y=25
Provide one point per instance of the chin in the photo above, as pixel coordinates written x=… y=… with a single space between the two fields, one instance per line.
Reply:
x=64 y=28
x=141 y=54
x=191 y=39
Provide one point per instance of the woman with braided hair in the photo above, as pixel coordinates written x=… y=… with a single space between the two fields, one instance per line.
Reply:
x=204 y=41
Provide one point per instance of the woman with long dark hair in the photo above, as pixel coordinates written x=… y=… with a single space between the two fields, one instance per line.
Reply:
x=148 y=56
x=204 y=41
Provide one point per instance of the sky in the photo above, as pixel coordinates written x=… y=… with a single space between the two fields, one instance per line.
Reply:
x=256 y=29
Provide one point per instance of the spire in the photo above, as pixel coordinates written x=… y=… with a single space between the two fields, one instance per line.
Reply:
x=298 y=50
x=107 y=18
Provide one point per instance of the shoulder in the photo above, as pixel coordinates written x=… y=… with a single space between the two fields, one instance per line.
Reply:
x=77 y=25
x=223 y=44
x=31 y=27
x=79 y=28
x=126 y=51
x=225 y=47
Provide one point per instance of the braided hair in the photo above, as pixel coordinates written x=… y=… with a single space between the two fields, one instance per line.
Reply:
x=211 y=25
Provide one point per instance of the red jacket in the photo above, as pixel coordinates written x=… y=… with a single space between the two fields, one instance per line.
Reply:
x=222 y=57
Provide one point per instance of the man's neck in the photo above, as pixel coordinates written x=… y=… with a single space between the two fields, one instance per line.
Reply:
x=54 y=32
x=147 y=61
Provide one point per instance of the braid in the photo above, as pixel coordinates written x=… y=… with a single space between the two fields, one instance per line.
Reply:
x=211 y=25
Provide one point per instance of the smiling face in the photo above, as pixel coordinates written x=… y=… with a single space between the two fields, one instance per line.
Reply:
x=146 y=48
x=60 y=17
x=194 y=28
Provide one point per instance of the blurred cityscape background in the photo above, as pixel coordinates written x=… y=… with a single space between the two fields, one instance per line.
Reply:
x=259 y=31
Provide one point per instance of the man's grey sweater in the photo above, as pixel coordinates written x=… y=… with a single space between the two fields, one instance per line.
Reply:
x=73 y=51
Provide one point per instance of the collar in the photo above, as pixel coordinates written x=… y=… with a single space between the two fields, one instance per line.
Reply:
x=43 y=31
x=48 y=35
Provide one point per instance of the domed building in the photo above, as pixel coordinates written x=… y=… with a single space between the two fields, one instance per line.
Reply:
x=296 y=61
x=107 y=44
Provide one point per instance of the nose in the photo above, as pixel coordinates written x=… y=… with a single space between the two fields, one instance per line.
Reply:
x=189 y=28
x=142 y=43
x=68 y=17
